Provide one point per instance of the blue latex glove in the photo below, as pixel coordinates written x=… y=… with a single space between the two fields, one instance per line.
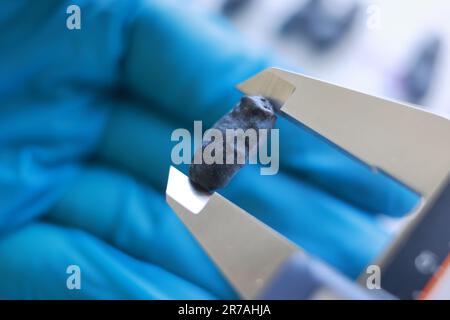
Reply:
x=83 y=171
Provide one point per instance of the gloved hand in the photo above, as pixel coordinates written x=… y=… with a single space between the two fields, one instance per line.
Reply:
x=85 y=123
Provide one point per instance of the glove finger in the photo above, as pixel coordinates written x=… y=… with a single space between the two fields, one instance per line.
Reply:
x=325 y=226
x=308 y=157
x=35 y=259
x=135 y=219
x=187 y=61
x=138 y=142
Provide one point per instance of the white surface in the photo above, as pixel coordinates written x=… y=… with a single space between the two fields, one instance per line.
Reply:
x=373 y=56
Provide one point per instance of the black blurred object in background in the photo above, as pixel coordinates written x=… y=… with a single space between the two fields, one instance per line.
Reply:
x=231 y=7
x=419 y=76
x=320 y=23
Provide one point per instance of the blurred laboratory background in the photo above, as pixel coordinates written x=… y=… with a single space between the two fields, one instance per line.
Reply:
x=394 y=49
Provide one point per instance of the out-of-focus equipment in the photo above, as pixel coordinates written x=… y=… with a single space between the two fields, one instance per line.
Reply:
x=419 y=76
x=322 y=23
x=231 y=7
